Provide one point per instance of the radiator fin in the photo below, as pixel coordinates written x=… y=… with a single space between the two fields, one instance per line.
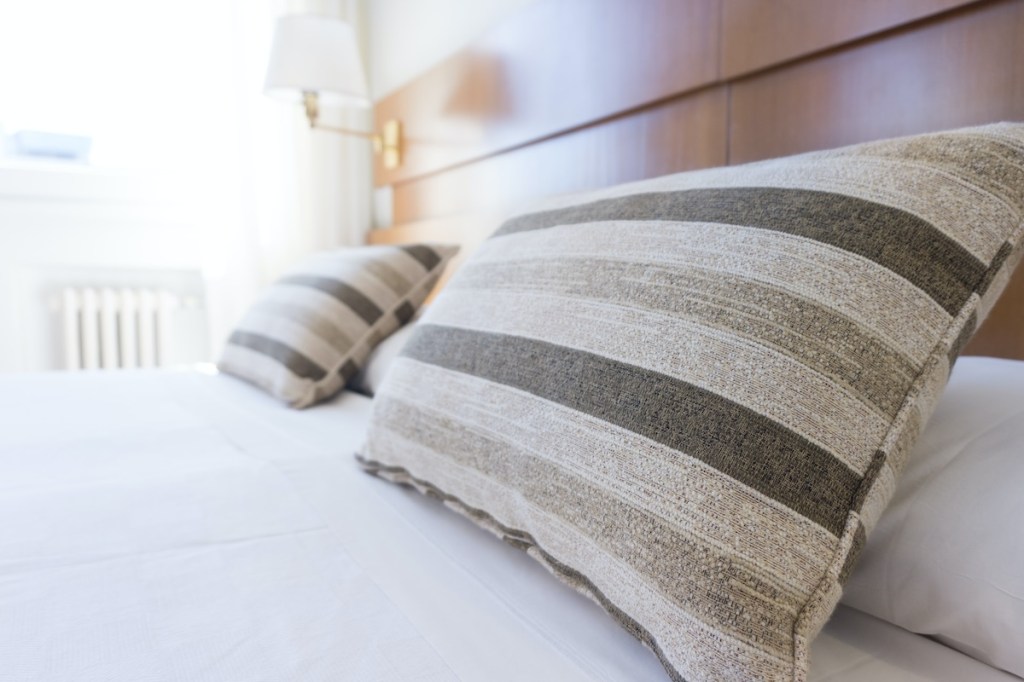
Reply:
x=116 y=328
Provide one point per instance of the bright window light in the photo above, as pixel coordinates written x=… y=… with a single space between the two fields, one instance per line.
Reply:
x=149 y=82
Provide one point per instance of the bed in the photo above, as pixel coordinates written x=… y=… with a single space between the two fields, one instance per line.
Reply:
x=185 y=525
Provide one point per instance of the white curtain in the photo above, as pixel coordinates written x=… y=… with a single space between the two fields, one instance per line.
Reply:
x=294 y=190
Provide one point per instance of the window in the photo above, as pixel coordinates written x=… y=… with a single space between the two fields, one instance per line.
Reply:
x=151 y=83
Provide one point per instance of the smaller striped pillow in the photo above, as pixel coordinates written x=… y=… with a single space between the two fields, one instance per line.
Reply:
x=313 y=329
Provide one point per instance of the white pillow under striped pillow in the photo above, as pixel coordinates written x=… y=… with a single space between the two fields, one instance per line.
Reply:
x=312 y=330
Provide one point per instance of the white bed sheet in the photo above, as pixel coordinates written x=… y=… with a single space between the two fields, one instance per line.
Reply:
x=184 y=526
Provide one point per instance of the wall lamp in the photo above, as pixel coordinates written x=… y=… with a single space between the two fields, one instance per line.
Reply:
x=314 y=60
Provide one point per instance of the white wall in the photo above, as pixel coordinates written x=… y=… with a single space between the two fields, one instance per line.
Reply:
x=407 y=37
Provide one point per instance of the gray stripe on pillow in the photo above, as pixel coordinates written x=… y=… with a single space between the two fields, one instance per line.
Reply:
x=348 y=370
x=674 y=564
x=297 y=363
x=872 y=296
x=405 y=312
x=677 y=487
x=927 y=257
x=709 y=427
x=424 y=254
x=810 y=332
x=350 y=296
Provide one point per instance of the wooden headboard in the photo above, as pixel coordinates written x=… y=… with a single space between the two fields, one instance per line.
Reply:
x=579 y=94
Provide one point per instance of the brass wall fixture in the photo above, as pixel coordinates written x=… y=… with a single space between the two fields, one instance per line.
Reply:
x=387 y=143
x=316 y=59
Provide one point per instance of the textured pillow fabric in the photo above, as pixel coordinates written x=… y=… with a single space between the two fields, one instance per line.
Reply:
x=312 y=330
x=947 y=557
x=689 y=397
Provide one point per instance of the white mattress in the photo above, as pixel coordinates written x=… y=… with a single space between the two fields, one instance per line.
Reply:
x=183 y=526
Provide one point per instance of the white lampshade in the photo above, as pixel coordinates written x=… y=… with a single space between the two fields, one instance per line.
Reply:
x=316 y=54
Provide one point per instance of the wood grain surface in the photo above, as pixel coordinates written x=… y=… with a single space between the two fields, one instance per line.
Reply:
x=682 y=134
x=553 y=67
x=758 y=34
x=965 y=70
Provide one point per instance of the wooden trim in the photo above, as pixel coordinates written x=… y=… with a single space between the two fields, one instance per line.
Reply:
x=757 y=35
x=680 y=135
x=961 y=70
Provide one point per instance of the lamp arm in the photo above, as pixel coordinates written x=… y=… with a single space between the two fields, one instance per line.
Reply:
x=311 y=103
x=345 y=131
x=388 y=142
x=378 y=143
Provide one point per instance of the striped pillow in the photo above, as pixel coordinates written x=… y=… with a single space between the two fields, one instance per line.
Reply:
x=312 y=330
x=690 y=397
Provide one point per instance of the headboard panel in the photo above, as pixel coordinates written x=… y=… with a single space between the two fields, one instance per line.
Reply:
x=553 y=67
x=576 y=94
x=758 y=34
x=960 y=69
x=681 y=134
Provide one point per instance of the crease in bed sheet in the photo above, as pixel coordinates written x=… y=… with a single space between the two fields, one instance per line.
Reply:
x=857 y=647
x=130 y=495
x=273 y=625
x=195 y=603
x=412 y=513
x=9 y=568
x=511 y=606
x=462 y=629
x=236 y=438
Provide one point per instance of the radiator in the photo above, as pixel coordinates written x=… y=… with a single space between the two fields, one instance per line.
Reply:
x=116 y=328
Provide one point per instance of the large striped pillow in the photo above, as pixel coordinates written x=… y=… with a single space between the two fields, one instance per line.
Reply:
x=690 y=397
x=313 y=329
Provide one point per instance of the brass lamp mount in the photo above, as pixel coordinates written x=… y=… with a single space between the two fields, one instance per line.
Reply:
x=387 y=143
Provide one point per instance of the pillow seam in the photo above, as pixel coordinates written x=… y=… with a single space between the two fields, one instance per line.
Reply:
x=844 y=544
